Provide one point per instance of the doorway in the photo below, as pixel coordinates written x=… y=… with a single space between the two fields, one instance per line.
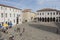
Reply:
x=25 y=20
x=17 y=20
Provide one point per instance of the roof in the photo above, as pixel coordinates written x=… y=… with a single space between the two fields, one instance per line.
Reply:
x=9 y=6
x=48 y=9
x=27 y=10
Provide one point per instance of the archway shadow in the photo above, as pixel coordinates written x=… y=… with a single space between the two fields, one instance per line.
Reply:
x=45 y=28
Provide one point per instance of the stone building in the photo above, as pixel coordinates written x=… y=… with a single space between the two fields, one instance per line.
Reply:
x=48 y=15
x=28 y=15
x=10 y=14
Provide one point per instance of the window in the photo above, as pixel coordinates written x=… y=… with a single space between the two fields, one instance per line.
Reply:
x=14 y=21
x=57 y=13
x=51 y=13
x=6 y=14
x=42 y=13
x=14 y=14
x=10 y=14
x=1 y=14
x=48 y=13
x=18 y=15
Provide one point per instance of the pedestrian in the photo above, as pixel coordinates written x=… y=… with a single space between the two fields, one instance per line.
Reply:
x=20 y=34
x=23 y=30
x=18 y=29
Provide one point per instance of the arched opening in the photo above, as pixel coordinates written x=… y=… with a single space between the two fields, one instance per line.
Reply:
x=38 y=19
x=25 y=20
x=59 y=19
x=53 y=19
x=45 y=19
x=50 y=19
x=35 y=18
x=56 y=19
x=42 y=19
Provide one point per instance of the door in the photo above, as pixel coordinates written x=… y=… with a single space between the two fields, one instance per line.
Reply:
x=17 y=20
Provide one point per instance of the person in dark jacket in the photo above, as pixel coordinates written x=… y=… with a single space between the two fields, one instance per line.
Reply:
x=10 y=24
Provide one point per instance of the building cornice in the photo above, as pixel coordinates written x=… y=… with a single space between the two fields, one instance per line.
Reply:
x=48 y=9
x=9 y=6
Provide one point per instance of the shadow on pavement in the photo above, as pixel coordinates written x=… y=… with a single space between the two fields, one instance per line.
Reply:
x=45 y=28
x=58 y=27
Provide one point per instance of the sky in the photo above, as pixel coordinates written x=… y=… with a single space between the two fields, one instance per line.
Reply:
x=32 y=4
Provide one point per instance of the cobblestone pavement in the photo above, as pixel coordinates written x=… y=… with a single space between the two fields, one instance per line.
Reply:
x=28 y=31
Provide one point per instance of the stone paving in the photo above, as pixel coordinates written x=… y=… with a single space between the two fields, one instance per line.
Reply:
x=28 y=31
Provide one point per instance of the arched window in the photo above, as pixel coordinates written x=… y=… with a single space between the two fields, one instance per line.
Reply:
x=48 y=13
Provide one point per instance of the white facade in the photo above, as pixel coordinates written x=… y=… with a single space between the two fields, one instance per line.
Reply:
x=48 y=15
x=10 y=14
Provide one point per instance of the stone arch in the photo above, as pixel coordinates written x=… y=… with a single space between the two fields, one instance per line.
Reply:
x=50 y=19
x=59 y=19
x=56 y=19
x=42 y=19
x=53 y=19
x=45 y=19
x=38 y=19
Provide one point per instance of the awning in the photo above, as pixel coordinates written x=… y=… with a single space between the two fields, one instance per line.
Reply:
x=5 y=25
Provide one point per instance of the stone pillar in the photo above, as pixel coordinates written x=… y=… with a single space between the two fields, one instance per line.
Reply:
x=58 y=19
x=44 y=19
x=55 y=19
